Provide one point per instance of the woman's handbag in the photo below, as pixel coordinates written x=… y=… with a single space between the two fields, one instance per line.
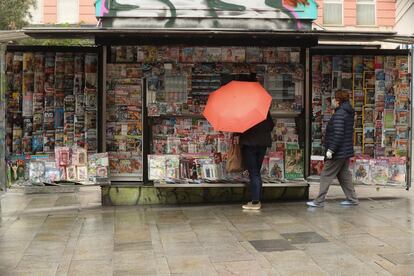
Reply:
x=234 y=157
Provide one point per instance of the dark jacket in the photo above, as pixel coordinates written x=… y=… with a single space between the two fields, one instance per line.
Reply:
x=259 y=135
x=339 y=136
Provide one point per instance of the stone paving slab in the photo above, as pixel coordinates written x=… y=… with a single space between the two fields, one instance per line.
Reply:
x=71 y=234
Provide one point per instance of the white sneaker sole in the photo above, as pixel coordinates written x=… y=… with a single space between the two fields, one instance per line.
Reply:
x=251 y=208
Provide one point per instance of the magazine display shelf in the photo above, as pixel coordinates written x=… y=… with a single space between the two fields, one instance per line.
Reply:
x=162 y=96
x=380 y=87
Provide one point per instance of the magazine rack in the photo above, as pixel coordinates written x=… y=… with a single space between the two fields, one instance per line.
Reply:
x=380 y=86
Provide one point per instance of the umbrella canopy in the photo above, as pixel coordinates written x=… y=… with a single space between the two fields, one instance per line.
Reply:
x=237 y=106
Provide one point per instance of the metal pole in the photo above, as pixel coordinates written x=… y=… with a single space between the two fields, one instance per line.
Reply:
x=410 y=144
x=3 y=185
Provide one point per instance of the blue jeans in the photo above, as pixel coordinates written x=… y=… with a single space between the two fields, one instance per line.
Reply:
x=253 y=158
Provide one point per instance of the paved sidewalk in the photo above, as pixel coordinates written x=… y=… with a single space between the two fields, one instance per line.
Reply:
x=71 y=234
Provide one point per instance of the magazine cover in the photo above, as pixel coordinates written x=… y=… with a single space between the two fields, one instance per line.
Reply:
x=17 y=169
x=82 y=173
x=199 y=54
x=317 y=162
x=370 y=96
x=36 y=171
x=293 y=164
x=71 y=173
x=379 y=171
x=254 y=55
x=52 y=173
x=187 y=54
x=369 y=79
x=214 y=54
x=369 y=150
x=37 y=142
x=401 y=118
x=358 y=64
x=79 y=156
x=389 y=102
x=402 y=132
x=358 y=139
x=269 y=55
x=172 y=166
x=276 y=166
x=368 y=115
x=369 y=134
x=397 y=170
x=389 y=119
x=361 y=171
x=264 y=171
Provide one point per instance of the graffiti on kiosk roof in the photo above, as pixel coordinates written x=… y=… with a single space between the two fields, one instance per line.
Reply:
x=207 y=9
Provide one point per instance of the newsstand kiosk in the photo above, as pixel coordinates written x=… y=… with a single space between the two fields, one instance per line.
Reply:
x=153 y=76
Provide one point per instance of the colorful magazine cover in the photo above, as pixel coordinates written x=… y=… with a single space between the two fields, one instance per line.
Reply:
x=172 y=166
x=276 y=166
x=36 y=171
x=379 y=171
x=389 y=119
x=397 y=170
x=317 y=162
x=254 y=55
x=362 y=171
x=294 y=164
x=82 y=173
x=401 y=118
x=369 y=134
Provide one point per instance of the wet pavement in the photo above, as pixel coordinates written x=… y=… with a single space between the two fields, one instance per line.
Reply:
x=71 y=234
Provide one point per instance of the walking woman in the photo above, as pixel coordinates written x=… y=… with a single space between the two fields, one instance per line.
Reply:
x=254 y=143
x=339 y=146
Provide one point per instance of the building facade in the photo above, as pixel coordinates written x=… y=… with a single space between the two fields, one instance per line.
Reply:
x=357 y=15
x=404 y=19
x=64 y=12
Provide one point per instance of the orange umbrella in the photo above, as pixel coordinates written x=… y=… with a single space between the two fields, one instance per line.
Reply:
x=237 y=106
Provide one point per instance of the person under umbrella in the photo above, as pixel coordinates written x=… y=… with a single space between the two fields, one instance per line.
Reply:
x=254 y=143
